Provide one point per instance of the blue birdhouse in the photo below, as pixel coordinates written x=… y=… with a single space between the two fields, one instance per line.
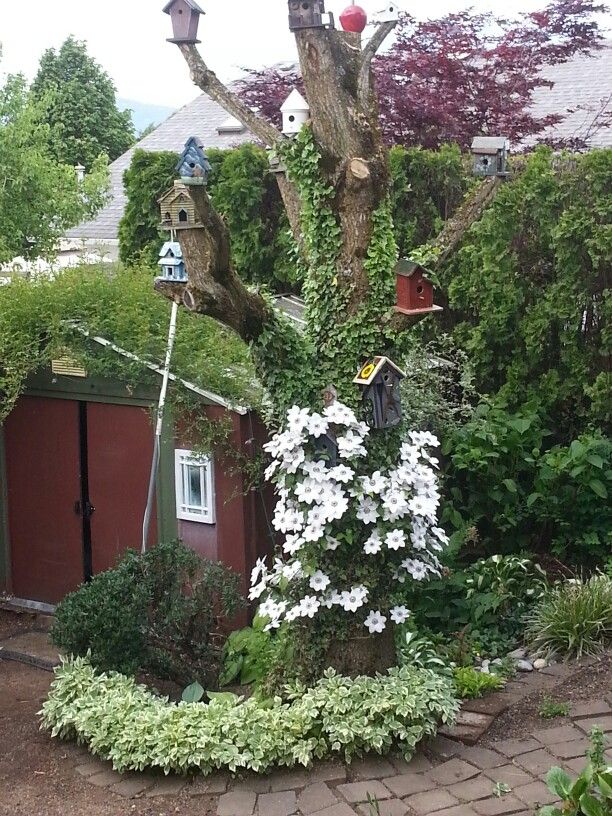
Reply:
x=172 y=264
x=193 y=167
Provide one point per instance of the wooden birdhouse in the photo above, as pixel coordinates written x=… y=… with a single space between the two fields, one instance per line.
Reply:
x=185 y=16
x=178 y=210
x=415 y=292
x=171 y=263
x=326 y=448
x=306 y=14
x=490 y=155
x=296 y=112
x=388 y=14
x=379 y=380
x=194 y=167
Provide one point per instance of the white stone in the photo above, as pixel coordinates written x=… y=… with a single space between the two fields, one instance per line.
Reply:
x=524 y=666
x=517 y=654
x=540 y=663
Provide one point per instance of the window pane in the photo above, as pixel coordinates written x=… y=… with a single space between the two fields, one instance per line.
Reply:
x=195 y=486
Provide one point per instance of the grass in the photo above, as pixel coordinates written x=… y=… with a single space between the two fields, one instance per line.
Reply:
x=471 y=683
x=550 y=708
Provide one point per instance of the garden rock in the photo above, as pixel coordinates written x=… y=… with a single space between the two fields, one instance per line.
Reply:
x=517 y=654
x=540 y=663
x=524 y=666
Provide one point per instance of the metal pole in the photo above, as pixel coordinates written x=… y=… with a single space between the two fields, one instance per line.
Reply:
x=158 y=428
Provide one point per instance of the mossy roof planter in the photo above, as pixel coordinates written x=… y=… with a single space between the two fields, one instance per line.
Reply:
x=123 y=722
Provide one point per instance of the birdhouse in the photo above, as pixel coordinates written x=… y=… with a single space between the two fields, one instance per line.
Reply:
x=193 y=167
x=171 y=263
x=354 y=19
x=185 y=16
x=306 y=14
x=296 y=112
x=326 y=448
x=379 y=380
x=490 y=155
x=415 y=292
x=388 y=14
x=178 y=210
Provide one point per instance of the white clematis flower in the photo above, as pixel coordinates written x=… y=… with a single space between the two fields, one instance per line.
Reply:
x=375 y=622
x=399 y=614
x=319 y=581
x=395 y=540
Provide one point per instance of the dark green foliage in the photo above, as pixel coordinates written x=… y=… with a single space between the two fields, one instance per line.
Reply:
x=158 y=612
x=471 y=683
x=251 y=655
x=82 y=113
x=146 y=179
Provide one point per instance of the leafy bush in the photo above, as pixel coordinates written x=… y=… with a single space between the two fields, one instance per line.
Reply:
x=250 y=654
x=574 y=618
x=471 y=683
x=157 y=612
x=121 y=721
x=591 y=793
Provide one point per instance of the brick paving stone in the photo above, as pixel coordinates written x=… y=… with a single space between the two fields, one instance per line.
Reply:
x=474 y=718
x=570 y=750
x=277 y=804
x=557 y=670
x=417 y=764
x=406 y=784
x=516 y=747
x=493 y=704
x=168 y=786
x=562 y=733
x=105 y=778
x=455 y=770
x=536 y=762
x=594 y=708
x=429 y=802
x=341 y=809
x=457 y=810
x=359 y=791
x=499 y=806
x=482 y=758
x=389 y=807
x=603 y=722
x=288 y=780
x=91 y=768
x=315 y=797
x=536 y=793
x=509 y=775
x=479 y=788
x=216 y=783
x=441 y=748
x=328 y=771
x=252 y=783
x=130 y=788
x=371 y=767
x=236 y=803
x=466 y=734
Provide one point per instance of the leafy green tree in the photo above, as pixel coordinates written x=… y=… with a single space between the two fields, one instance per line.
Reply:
x=82 y=111
x=40 y=198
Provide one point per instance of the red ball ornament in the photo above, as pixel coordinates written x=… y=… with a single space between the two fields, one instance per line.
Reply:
x=354 y=19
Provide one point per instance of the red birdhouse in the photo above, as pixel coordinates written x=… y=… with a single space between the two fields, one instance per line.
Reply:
x=354 y=19
x=185 y=16
x=415 y=293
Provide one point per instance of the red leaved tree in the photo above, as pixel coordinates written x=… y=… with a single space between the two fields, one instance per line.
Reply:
x=446 y=80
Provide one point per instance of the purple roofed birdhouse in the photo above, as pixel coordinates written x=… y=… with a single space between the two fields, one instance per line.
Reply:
x=185 y=16
x=415 y=292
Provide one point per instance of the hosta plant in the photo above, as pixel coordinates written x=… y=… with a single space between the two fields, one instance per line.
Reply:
x=353 y=531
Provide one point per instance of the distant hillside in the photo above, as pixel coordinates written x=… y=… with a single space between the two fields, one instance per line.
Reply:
x=143 y=114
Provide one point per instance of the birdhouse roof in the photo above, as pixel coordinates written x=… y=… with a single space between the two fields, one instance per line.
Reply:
x=407 y=268
x=490 y=144
x=373 y=368
x=192 y=5
x=295 y=102
x=179 y=190
x=171 y=247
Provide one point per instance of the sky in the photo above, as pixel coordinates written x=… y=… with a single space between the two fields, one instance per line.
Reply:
x=128 y=37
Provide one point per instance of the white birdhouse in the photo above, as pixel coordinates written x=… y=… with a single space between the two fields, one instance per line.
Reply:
x=296 y=112
x=388 y=14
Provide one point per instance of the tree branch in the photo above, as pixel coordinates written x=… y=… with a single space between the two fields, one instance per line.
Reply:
x=367 y=55
x=208 y=81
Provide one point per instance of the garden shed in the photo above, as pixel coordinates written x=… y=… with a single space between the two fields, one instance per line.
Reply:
x=75 y=456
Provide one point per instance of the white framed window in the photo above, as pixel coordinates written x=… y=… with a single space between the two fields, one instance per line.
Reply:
x=195 y=499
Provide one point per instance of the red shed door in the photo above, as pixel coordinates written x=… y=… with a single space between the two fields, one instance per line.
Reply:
x=43 y=483
x=119 y=452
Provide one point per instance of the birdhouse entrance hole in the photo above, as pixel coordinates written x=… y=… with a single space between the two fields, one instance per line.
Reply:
x=182 y=216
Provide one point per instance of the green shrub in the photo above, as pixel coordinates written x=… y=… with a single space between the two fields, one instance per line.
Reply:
x=157 y=612
x=471 y=683
x=121 y=721
x=573 y=619
x=250 y=655
x=550 y=708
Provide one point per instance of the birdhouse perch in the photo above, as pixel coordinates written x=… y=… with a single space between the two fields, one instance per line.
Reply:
x=415 y=292
x=185 y=16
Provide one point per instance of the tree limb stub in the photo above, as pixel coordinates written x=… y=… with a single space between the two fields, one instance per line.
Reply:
x=368 y=54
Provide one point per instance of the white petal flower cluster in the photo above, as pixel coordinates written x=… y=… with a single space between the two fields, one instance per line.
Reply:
x=344 y=511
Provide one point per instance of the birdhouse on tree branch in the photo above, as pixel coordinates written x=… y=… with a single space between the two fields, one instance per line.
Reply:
x=296 y=112
x=308 y=14
x=193 y=167
x=185 y=16
x=379 y=380
x=178 y=210
x=415 y=292
x=388 y=14
x=490 y=155
x=171 y=263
